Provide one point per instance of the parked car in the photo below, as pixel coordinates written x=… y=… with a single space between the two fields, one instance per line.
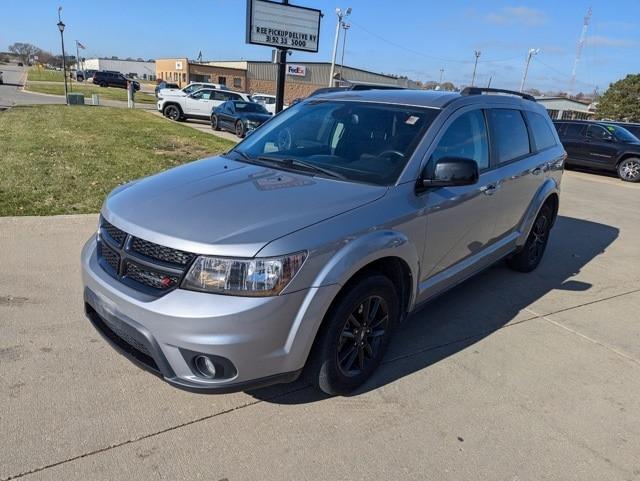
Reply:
x=601 y=145
x=165 y=85
x=82 y=75
x=20 y=64
x=105 y=78
x=1 y=79
x=197 y=105
x=304 y=246
x=189 y=89
x=269 y=101
x=239 y=116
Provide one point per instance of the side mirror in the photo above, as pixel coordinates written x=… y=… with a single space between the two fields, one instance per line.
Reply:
x=450 y=172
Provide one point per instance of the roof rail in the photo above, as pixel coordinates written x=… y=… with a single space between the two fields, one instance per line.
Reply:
x=481 y=90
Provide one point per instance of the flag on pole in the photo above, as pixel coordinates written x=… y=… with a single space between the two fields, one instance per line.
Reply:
x=80 y=45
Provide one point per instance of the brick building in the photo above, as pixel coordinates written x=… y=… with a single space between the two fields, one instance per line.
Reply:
x=260 y=76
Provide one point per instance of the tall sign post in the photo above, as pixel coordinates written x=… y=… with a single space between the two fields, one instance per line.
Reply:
x=285 y=27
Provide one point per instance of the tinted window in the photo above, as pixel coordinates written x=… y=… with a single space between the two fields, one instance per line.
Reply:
x=362 y=141
x=541 y=130
x=509 y=134
x=597 y=132
x=204 y=94
x=574 y=130
x=217 y=95
x=242 y=106
x=466 y=137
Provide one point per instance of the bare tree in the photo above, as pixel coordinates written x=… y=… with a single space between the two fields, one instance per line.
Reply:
x=23 y=50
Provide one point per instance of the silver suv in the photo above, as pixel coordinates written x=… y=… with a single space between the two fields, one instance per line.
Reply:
x=303 y=247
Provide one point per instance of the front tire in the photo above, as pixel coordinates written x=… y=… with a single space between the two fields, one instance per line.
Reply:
x=172 y=112
x=528 y=258
x=629 y=170
x=354 y=336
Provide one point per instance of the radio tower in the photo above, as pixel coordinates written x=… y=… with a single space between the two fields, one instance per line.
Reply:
x=583 y=37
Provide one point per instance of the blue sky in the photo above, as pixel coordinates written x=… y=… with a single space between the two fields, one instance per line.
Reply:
x=407 y=37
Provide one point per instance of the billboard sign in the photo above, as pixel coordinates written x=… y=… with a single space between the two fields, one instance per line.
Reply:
x=282 y=25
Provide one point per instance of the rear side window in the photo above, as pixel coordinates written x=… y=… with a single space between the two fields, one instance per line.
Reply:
x=541 y=130
x=509 y=134
x=574 y=130
x=466 y=137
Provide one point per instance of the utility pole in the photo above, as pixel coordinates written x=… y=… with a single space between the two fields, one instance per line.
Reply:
x=489 y=83
x=346 y=27
x=532 y=52
x=341 y=16
x=282 y=73
x=581 y=40
x=61 y=26
x=475 y=66
x=441 y=74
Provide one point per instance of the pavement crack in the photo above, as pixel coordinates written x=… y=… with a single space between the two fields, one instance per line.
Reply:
x=151 y=435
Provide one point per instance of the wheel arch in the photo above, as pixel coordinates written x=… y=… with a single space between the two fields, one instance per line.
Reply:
x=627 y=155
x=548 y=193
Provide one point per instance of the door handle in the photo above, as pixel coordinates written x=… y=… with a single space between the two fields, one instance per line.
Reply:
x=537 y=171
x=488 y=189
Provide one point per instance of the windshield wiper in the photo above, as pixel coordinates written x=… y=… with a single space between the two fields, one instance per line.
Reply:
x=290 y=162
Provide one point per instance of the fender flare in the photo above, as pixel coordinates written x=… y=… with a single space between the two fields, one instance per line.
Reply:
x=546 y=190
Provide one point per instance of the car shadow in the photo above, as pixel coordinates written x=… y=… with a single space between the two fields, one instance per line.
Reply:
x=475 y=309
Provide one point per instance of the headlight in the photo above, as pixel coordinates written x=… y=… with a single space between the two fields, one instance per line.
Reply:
x=243 y=277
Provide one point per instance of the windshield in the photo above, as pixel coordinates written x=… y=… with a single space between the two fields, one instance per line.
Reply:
x=621 y=133
x=250 y=107
x=359 y=141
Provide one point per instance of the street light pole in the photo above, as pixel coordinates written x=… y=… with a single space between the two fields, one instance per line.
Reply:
x=346 y=27
x=441 y=74
x=532 y=52
x=61 y=26
x=341 y=15
x=475 y=66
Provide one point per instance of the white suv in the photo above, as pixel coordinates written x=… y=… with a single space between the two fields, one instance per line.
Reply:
x=189 y=89
x=198 y=104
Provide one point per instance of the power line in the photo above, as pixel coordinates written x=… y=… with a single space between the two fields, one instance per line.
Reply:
x=563 y=74
x=422 y=54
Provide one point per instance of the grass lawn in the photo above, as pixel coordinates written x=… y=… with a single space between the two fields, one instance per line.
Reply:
x=64 y=160
x=110 y=93
x=45 y=75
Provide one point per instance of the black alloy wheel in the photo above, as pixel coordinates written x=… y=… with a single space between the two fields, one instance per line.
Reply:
x=172 y=112
x=214 y=122
x=354 y=335
x=528 y=258
x=362 y=335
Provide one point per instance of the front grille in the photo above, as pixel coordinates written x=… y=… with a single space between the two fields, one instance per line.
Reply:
x=111 y=257
x=112 y=231
x=141 y=264
x=161 y=253
x=150 y=277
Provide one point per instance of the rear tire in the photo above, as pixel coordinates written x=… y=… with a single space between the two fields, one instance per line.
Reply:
x=103 y=84
x=354 y=336
x=629 y=169
x=528 y=258
x=240 y=129
x=172 y=112
x=214 y=123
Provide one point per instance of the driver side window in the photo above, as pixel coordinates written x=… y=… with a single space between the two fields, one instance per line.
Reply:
x=597 y=132
x=466 y=138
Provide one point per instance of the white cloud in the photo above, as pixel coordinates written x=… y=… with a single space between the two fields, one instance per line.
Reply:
x=517 y=16
x=603 y=41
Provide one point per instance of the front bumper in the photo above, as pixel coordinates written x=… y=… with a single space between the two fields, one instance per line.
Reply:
x=265 y=340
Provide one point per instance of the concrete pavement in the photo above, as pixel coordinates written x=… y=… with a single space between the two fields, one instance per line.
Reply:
x=507 y=377
x=11 y=92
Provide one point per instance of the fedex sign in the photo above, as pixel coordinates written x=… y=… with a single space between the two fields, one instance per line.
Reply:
x=297 y=70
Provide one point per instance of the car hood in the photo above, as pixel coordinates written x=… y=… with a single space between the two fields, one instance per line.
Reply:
x=224 y=207
x=255 y=117
x=171 y=93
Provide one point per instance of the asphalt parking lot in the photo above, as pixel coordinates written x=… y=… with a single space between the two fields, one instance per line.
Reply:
x=508 y=377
